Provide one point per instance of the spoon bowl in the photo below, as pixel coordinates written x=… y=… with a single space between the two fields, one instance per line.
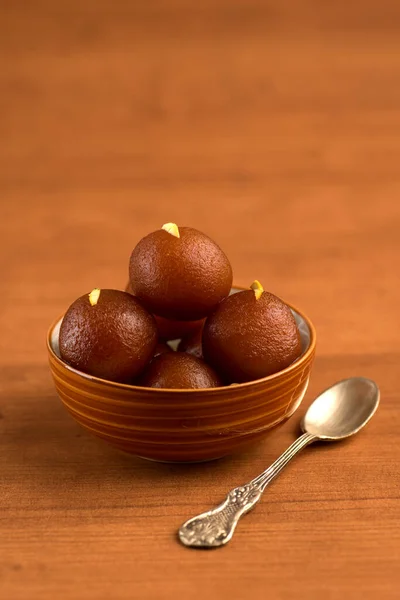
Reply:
x=342 y=410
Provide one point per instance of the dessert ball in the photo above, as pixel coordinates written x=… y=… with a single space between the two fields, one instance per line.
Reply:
x=108 y=334
x=162 y=348
x=170 y=329
x=179 y=273
x=192 y=344
x=174 y=330
x=178 y=371
x=250 y=335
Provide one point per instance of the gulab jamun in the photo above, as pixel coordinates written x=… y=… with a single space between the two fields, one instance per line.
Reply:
x=108 y=334
x=250 y=335
x=162 y=348
x=179 y=273
x=170 y=329
x=192 y=344
x=178 y=370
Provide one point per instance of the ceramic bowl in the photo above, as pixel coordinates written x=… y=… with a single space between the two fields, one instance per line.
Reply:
x=183 y=425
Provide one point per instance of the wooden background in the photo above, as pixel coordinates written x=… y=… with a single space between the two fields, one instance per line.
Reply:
x=275 y=128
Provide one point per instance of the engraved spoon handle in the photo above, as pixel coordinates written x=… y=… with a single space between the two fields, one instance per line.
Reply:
x=216 y=527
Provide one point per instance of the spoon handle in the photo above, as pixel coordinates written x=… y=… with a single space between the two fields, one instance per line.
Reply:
x=216 y=527
x=269 y=474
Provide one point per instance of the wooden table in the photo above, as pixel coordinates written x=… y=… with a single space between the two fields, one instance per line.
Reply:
x=275 y=128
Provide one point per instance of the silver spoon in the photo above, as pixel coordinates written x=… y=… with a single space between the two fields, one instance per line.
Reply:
x=337 y=413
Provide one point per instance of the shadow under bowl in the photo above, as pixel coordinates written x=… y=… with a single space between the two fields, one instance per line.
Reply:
x=183 y=425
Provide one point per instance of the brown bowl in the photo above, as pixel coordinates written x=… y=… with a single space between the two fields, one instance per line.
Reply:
x=182 y=425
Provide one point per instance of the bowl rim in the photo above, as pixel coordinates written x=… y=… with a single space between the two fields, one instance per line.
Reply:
x=127 y=386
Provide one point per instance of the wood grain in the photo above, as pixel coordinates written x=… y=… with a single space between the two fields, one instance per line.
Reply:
x=275 y=128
